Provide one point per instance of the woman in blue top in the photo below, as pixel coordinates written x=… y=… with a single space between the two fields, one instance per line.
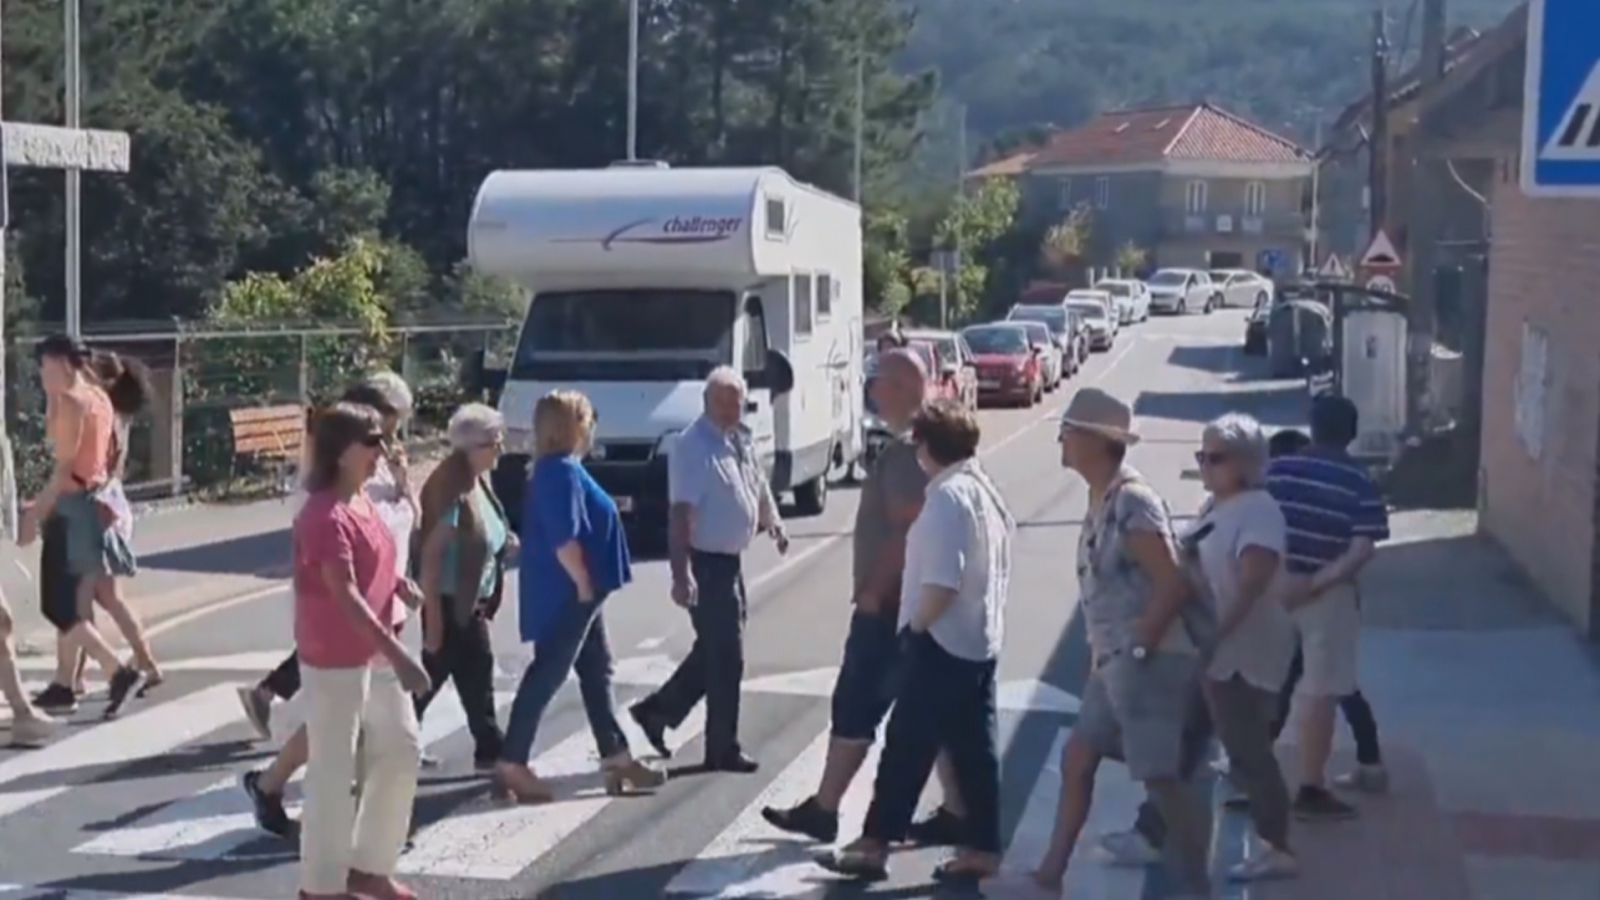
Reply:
x=573 y=556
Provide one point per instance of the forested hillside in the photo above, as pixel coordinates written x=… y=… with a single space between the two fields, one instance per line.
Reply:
x=1016 y=63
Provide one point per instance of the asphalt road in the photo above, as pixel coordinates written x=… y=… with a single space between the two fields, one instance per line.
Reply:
x=147 y=805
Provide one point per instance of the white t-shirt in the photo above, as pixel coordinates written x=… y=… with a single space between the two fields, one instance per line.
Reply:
x=961 y=541
x=383 y=491
x=1261 y=648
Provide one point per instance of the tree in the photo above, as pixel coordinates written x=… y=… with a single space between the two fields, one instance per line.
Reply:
x=1131 y=258
x=1065 y=243
x=975 y=222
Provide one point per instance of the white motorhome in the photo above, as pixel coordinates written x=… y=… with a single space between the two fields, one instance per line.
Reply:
x=643 y=279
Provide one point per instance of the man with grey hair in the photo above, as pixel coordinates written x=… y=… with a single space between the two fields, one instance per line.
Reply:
x=719 y=498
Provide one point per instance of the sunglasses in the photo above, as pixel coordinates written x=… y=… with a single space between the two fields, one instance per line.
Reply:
x=1206 y=458
x=371 y=440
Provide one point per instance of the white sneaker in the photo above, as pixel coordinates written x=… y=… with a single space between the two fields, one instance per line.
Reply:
x=1126 y=850
x=1267 y=864
x=32 y=732
x=1366 y=779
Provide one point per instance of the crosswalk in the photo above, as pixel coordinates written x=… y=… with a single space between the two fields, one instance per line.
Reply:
x=175 y=760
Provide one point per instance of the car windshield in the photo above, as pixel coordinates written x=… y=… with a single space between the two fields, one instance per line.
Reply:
x=1168 y=278
x=1115 y=288
x=996 y=340
x=1052 y=317
x=1091 y=309
x=1038 y=334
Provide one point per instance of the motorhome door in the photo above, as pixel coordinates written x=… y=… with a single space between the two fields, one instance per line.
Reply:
x=753 y=362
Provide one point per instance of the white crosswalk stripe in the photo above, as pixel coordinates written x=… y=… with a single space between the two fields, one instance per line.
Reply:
x=202 y=822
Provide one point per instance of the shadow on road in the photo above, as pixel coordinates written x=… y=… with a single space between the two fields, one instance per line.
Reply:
x=236 y=556
x=1282 y=405
x=1220 y=359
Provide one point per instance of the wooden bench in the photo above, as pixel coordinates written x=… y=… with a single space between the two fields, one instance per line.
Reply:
x=272 y=435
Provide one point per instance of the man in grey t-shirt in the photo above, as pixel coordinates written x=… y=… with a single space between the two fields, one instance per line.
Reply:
x=891 y=499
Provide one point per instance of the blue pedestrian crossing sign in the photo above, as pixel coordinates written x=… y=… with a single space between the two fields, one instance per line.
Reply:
x=1561 y=100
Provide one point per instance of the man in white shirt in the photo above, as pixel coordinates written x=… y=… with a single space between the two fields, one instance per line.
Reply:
x=953 y=592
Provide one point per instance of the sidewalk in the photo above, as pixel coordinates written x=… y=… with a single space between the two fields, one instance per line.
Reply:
x=189 y=557
x=1489 y=708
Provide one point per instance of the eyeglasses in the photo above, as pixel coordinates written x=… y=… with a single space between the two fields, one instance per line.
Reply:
x=1206 y=458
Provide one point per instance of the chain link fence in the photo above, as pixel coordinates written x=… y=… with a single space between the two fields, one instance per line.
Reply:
x=184 y=442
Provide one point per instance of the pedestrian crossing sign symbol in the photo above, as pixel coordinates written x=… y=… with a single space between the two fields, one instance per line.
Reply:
x=1561 y=103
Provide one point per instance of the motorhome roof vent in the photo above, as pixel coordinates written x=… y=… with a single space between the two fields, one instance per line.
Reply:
x=639 y=164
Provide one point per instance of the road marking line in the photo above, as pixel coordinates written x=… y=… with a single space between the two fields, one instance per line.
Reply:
x=149 y=732
x=496 y=843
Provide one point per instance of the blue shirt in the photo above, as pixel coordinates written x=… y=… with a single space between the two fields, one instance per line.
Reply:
x=1328 y=501
x=717 y=474
x=562 y=504
x=494 y=531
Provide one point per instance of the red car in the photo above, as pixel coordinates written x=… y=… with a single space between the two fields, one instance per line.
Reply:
x=1008 y=364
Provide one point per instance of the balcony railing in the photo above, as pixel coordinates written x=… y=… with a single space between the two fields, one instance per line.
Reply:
x=1234 y=223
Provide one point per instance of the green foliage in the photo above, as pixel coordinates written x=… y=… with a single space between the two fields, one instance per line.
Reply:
x=1131 y=258
x=1065 y=243
x=976 y=222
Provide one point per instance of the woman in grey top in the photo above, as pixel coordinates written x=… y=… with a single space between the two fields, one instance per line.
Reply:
x=1235 y=554
x=1139 y=612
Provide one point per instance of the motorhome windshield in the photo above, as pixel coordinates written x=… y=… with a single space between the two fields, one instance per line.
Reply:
x=626 y=335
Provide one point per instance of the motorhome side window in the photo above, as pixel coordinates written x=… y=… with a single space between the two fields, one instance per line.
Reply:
x=825 y=288
x=754 y=355
x=803 y=295
x=777 y=218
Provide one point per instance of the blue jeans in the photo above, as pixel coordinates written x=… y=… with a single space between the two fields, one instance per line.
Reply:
x=577 y=643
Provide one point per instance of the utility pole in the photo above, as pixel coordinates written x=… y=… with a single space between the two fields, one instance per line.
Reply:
x=861 y=119
x=1378 y=139
x=633 y=79
x=74 y=223
x=1430 y=190
x=1314 y=233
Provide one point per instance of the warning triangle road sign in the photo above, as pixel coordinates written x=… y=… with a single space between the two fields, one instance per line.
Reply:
x=1334 y=268
x=1381 y=254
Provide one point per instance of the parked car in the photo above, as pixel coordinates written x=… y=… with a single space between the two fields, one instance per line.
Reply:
x=1056 y=318
x=954 y=369
x=1178 y=291
x=1009 y=369
x=1102 y=333
x=1241 y=287
x=1104 y=298
x=1255 y=328
x=1132 y=297
x=1050 y=367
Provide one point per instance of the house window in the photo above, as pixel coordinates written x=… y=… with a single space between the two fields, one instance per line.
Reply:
x=1102 y=193
x=801 y=287
x=1194 y=197
x=1064 y=194
x=825 y=290
x=1255 y=199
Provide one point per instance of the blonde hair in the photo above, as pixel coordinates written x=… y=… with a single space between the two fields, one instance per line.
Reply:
x=563 y=422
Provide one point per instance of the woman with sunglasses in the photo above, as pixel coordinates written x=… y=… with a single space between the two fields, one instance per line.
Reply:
x=1235 y=553
x=356 y=673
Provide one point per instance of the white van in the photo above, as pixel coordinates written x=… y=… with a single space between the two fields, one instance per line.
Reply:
x=642 y=279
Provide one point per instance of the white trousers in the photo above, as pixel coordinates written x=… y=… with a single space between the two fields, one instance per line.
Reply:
x=338 y=833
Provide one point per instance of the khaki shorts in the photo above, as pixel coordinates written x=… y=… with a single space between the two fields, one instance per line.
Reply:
x=1330 y=637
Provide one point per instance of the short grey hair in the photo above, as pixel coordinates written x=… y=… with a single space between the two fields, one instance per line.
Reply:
x=476 y=425
x=395 y=390
x=728 y=377
x=1245 y=441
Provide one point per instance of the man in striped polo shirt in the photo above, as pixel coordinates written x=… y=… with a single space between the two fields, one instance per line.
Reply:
x=1336 y=516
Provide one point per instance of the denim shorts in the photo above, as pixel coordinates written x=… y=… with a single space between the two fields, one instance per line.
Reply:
x=95 y=549
x=864 y=690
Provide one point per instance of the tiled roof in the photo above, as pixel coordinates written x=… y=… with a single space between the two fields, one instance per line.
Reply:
x=1006 y=166
x=1190 y=132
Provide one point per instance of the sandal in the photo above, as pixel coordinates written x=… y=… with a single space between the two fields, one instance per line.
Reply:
x=960 y=870
x=518 y=784
x=854 y=864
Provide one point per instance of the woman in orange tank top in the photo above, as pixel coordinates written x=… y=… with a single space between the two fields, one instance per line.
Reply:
x=81 y=426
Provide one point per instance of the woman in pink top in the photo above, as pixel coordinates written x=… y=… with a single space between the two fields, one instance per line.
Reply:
x=354 y=669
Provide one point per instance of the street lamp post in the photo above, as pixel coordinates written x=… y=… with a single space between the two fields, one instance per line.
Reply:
x=74 y=223
x=633 y=79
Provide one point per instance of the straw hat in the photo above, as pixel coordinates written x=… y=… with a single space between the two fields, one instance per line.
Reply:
x=1096 y=411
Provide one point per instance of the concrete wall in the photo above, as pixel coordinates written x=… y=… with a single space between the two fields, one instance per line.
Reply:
x=1132 y=213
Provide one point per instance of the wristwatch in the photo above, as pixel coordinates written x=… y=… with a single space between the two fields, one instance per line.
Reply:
x=1139 y=653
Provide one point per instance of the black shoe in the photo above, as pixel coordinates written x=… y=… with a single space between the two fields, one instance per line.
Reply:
x=268 y=809
x=123 y=681
x=735 y=762
x=807 y=819
x=1316 y=804
x=941 y=829
x=56 y=698
x=655 y=730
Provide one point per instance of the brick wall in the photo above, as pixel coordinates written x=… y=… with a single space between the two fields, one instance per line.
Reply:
x=1544 y=271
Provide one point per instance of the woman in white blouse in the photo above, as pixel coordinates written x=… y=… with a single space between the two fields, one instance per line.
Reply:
x=1235 y=553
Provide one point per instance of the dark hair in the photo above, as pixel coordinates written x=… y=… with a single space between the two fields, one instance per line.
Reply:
x=947 y=430
x=364 y=394
x=64 y=347
x=1334 y=421
x=892 y=340
x=1287 y=442
x=126 y=381
x=336 y=429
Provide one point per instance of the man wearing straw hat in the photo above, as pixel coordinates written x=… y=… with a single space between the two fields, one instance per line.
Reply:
x=1145 y=634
